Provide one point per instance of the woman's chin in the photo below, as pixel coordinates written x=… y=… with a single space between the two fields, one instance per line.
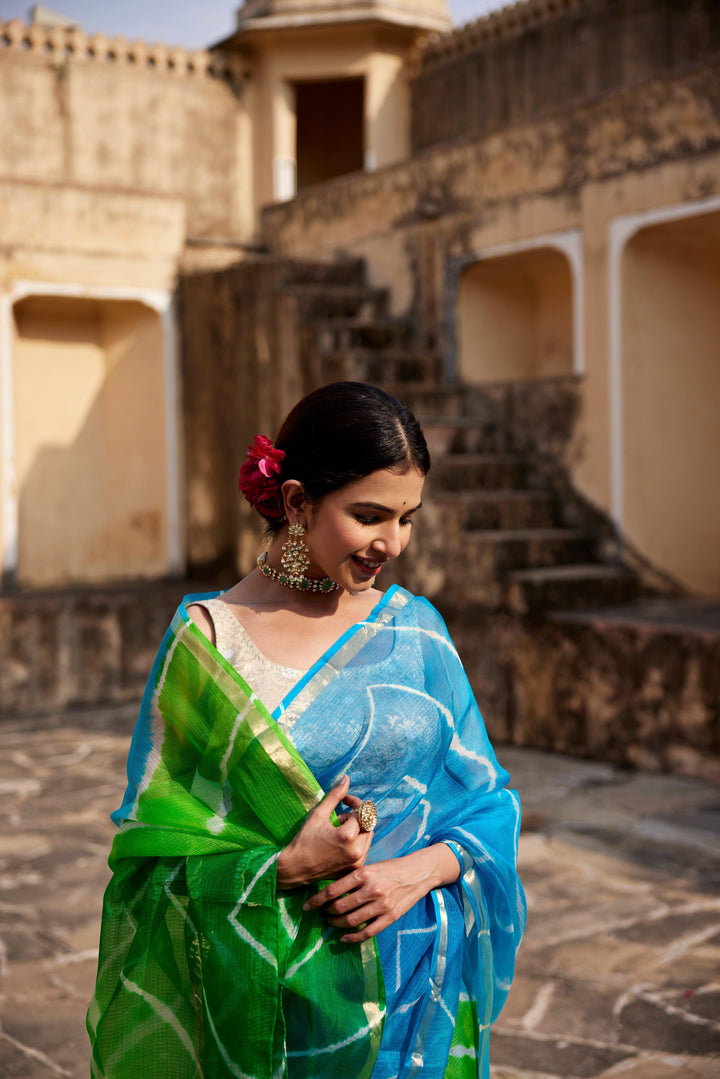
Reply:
x=354 y=582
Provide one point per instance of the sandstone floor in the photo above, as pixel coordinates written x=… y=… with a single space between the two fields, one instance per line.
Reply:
x=619 y=974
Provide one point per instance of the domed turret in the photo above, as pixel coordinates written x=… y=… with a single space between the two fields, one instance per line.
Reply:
x=273 y=14
x=326 y=86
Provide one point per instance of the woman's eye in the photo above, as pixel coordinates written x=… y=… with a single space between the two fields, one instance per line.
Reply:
x=365 y=520
x=406 y=521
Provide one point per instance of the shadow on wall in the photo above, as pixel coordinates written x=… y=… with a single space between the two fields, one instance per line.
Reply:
x=90 y=441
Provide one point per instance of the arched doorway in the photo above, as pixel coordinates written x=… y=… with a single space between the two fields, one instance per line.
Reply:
x=669 y=392
x=515 y=317
x=90 y=421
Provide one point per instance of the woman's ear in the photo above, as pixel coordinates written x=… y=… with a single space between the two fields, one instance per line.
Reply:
x=295 y=501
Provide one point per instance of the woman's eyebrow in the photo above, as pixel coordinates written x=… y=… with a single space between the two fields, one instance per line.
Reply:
x=384 y=509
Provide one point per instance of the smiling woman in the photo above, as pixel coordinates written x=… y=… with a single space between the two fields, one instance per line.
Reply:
x=254 y=926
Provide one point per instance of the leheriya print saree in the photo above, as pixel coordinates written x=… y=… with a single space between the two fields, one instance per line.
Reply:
x=205 y=969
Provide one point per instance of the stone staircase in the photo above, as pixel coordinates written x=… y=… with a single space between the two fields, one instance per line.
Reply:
x=495 y=534
x=567 y=647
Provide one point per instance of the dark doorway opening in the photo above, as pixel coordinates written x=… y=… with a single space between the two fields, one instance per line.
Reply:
x=330 y=122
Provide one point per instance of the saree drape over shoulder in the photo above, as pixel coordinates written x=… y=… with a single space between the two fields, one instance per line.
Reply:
x=206 y=970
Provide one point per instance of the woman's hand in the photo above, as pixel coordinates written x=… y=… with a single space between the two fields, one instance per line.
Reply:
x=322 y=849
x=375 y=896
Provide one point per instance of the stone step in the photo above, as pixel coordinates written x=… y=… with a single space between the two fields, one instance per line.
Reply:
x=341 y=272
x=381 y=366
x=329 y=301
x=476 y=510
x=341 y=335
x=530 y=548
x=479 y=471
x=569 y=587
x=462 y=434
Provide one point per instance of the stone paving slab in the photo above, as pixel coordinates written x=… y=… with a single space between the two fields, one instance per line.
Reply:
x=619 y=974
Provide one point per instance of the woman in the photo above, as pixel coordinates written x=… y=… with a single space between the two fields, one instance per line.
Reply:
x=314 y=873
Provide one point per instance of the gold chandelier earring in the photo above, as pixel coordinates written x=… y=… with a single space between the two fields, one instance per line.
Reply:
x=295 y=557
x=294 y=560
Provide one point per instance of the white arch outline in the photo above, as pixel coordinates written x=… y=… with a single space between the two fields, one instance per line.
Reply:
x=568 y=242
x=620 y=231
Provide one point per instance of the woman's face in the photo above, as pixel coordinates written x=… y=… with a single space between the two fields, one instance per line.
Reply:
x=354 y=531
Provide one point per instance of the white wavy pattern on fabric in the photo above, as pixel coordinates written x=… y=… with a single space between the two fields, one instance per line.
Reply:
x=320 y=1050
x=241 y=931
x=398 y=716
x=167 y=1015
x=308 y=955
x=230 y=1064
x=391 y=706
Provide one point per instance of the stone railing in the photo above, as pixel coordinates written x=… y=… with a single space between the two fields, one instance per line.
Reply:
x=59 y=45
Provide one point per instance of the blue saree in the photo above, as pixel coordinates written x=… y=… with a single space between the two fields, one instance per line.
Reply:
x=390 y=705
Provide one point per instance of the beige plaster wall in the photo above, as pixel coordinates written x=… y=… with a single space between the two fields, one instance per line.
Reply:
x=669 y=184
x=80 y=236
x=89 y=418
x=112 y=124
x=514 y=317
x=670 y=397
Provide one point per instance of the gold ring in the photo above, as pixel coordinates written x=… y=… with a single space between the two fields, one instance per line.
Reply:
x=367 y=816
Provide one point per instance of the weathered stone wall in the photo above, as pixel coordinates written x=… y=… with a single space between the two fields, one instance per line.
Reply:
x=538 y=58
x=105 y=113
x=81 y=648
x=241 y=374
x=627 y=688
x=633 y=692
x=245 y=362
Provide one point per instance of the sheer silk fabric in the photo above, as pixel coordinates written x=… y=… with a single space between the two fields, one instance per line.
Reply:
x=205 y=970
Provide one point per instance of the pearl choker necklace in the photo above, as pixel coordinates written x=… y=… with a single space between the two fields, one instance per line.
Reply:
x=305 y=584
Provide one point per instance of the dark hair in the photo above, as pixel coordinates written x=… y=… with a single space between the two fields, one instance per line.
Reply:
x=345 y=431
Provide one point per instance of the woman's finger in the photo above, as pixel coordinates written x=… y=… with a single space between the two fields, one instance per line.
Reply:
x=335 y=795
x=355 y=918
x=370 y=930
x=331 y=891
x=353 y=801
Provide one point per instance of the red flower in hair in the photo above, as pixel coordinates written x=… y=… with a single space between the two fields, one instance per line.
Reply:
x=259 y=477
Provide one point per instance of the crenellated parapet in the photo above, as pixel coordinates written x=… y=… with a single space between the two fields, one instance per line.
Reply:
x=61 y=45
x=518 y=18
x=543 y=57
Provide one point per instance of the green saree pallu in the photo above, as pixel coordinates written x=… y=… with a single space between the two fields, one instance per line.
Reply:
x=205 y=970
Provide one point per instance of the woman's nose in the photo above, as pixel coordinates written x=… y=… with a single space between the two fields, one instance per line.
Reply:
x=390 y=540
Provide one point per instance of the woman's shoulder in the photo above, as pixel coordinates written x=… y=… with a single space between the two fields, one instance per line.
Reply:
x=199 y=601
x=203 y=612
x=196 y=607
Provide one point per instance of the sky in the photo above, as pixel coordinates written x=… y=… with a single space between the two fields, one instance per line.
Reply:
x=192 y=23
